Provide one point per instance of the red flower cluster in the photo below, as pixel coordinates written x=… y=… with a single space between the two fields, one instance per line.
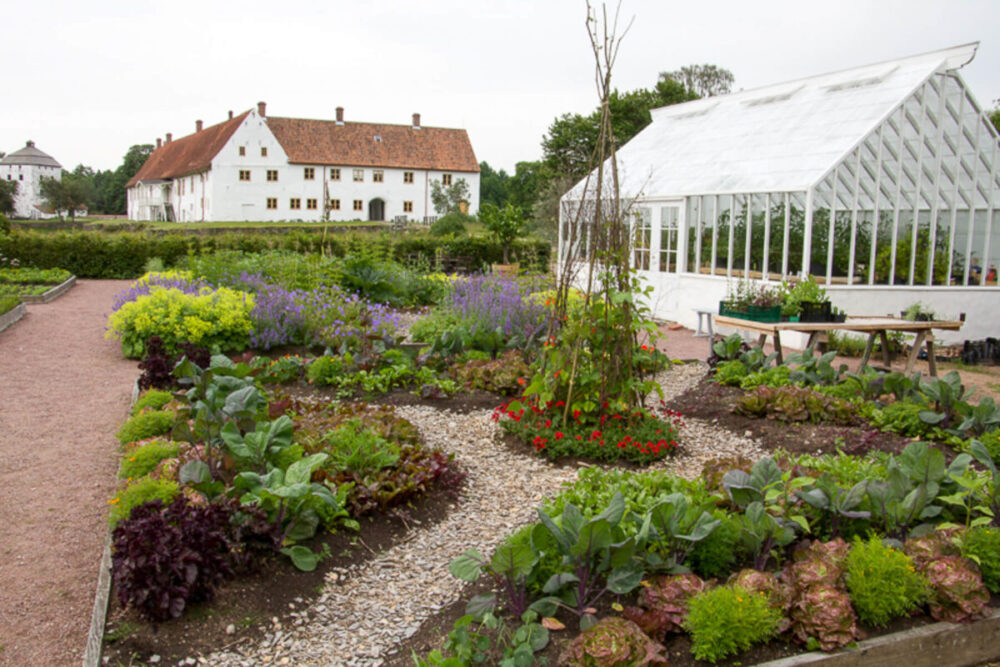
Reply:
x=637 y=436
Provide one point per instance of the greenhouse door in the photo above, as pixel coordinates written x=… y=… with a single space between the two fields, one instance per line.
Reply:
x=669 y=229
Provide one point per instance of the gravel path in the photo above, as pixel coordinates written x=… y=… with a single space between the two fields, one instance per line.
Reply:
x=64 y=390
x=366 y=610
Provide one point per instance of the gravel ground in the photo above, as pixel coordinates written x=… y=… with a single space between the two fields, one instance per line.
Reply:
x=350 y=623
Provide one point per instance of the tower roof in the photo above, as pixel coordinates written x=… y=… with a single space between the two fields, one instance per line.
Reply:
x=29 y=155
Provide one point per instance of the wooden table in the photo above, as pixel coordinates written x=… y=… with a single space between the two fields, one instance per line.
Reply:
x=873 y=326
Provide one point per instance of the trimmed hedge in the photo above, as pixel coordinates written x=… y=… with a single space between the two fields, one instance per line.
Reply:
x=124 y=254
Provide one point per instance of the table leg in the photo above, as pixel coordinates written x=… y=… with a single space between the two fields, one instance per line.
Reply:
x=886 y=354
x=777 y=346
x=761 y=339
x=813 y=337
x=931 y=361
x=917 y=344
x=868 y=352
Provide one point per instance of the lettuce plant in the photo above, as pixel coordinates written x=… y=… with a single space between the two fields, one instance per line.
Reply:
x=612 y=642
x=823 y=615
x=958 y=591
x=663 y=604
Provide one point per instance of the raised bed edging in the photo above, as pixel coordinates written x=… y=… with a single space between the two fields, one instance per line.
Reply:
x=12 y=315
x=98 y=618
x=952 y=644
x=52 y=294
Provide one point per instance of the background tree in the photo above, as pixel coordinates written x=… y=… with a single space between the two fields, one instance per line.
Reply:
x=702 y=80
x=110 y=191
x=995 y=115
x=448 y=198
x=492 y=185
x=504 y=224
x=70 y=194
x=8 y=191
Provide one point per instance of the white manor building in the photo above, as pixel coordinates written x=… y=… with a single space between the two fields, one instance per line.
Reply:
x=253 y=167
x=29 y=166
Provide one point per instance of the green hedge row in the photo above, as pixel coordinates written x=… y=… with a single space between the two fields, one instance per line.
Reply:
x=124 y=255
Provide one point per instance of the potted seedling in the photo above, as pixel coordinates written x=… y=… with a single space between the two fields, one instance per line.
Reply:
x=805 y=299
x=766 y=305
x=916 y=312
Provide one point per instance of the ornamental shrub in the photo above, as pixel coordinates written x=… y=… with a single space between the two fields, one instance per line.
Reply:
x=138 y=492
x=728 y=620
x=882 y=582
x=143 y=459
x=154 y=399
x=146 y=425
x=218 y=320
x=983 y=542
x=452 y=224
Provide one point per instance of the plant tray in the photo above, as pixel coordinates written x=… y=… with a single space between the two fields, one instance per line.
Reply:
x=816 y=312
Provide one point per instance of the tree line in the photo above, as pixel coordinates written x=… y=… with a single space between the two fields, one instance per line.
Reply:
x=99 y=192
x=536 y=186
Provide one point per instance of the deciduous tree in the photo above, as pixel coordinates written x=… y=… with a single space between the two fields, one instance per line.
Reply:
x=702 y=80
x=70 y=194
x=8 y=191
x=448 y=198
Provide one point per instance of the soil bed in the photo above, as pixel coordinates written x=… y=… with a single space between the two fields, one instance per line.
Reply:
x=252 y=603
x=714 y=402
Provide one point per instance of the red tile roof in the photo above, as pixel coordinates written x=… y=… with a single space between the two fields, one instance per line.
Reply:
x=373 y=145
x=187 y=155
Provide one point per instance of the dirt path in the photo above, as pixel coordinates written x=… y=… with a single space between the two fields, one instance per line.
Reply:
x=64 y=390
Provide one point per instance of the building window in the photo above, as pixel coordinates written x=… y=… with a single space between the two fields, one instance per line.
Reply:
x=263 y=151
x=359 y=175
x=378 y=175
x=272 y=202
x=244 y=174
x=311 y=204
x=310 y=173
x=272 y=174
x=295 y=203
x=20 y=177
x=335 y=174
x=407 y=176
x=334 y=204
x=243 y=151
x=445 y=179
x=407 y=207
x=359 y=205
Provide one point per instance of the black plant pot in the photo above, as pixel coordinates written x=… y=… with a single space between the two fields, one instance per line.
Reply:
x=815 y=312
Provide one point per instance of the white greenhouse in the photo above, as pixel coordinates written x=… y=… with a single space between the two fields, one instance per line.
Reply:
x=881 y=181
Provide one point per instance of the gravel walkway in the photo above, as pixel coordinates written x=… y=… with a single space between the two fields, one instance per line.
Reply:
x=64 y=390
x=367 y=610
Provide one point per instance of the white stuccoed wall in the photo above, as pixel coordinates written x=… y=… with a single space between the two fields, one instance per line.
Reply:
x=28 y=177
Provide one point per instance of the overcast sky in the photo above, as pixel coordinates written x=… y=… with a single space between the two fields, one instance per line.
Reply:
x=86 y=80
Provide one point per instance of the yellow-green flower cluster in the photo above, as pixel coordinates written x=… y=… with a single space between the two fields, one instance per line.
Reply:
x=216 y=319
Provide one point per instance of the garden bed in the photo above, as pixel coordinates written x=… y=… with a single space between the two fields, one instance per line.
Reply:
x=8 y=318
x=52 y=293
x=274 y=597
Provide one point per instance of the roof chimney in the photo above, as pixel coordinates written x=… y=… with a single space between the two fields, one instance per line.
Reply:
x=159 y=142
x=30 y=144
x=340 y=115
x=230 y=114
x=416 y=121
x=197 y=126
x=170 y=137
x=261 y=109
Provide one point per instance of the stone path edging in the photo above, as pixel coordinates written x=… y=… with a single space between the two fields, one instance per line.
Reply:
x=11 y=316
x=52 y=294
x=95 y=637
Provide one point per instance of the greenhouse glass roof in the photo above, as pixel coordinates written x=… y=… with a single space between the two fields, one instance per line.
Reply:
x=779 y=138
